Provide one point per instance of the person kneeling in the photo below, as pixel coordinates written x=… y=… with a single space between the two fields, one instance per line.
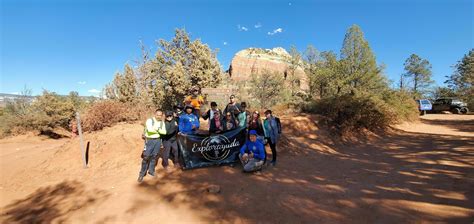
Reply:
x=252 y=154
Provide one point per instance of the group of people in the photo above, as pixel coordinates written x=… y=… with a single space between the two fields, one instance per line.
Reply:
x=162 y=128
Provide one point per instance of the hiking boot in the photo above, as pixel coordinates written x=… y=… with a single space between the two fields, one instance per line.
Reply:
x=151 y=174
x=140 y=179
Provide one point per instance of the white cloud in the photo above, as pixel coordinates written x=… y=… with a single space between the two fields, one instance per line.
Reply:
x=279 y=30
x=258 y=25
x=16 y=93
x=225 y=43
x=242 y=28
x=81 y=82
x=93 y=91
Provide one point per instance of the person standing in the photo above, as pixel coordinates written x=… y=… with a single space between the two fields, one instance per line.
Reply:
x=216 y=123
x=154 y=129
x=270 y=128
x=252 y=153
x=170 y=144
x=188 y=122
x=195 y=100
x=209 y=114
x=243 y=116
x=233 y=107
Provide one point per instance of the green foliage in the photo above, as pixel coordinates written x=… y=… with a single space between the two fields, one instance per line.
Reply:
x=358 y=66
x=266 y=88
x=45 y=114
x=419 y=71
x=166 y=79
x=462 y=79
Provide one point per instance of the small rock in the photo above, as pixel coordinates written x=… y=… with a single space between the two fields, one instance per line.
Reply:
x=214 y=189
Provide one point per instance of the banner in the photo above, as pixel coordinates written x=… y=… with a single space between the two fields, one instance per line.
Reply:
x=216 y=149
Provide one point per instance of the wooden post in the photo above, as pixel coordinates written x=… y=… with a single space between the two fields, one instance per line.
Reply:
x=79 y=128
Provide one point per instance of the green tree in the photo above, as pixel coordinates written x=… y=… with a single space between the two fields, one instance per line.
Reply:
x=462 y=80
x=359 y=68
x=294 y=62
x=419 y=71
x=266 y=88
x=124 y=87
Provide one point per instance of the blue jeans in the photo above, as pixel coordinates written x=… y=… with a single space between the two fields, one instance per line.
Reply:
x=152 y=146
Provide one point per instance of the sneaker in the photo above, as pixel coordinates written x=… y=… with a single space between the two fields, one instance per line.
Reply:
x=140 y=179
x=151 y=174
x=273 y=163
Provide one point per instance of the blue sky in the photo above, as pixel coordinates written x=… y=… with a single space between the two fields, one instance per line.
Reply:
x=71 y=45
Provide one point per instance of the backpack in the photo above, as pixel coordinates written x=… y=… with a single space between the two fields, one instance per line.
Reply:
x=277 y=119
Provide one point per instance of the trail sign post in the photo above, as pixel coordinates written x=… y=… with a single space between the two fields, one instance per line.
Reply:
x=79 y=128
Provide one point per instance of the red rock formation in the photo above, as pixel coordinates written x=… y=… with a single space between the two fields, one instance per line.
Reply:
x=253 y=61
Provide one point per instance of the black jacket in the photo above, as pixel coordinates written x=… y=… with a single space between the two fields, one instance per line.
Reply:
x=171 y=130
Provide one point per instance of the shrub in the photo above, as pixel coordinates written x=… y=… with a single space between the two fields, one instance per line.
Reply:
x=107 y=113
x=354 y=112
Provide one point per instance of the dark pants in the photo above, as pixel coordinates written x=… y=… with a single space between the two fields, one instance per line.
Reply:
x=150 y=156
x=170 y=146
x=273 y=148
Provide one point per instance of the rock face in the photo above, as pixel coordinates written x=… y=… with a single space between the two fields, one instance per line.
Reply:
x=254 y=61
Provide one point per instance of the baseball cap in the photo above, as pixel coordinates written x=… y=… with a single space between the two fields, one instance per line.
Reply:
x=252 y=132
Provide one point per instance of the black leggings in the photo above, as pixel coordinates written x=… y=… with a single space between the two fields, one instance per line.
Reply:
x=273 y=148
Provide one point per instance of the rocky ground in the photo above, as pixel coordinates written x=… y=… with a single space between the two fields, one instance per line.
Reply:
x=419 y=172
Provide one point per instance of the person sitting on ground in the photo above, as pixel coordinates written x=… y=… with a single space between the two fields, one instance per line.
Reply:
x=216 y=123
x=209 y=114
x=154 y=130
x=229 y=122
x=243 y=116
x=188 y=122
x=169 y=141
x=252 y=153
x=195 y=100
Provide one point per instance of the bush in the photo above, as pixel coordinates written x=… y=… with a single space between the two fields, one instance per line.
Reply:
x=107 y=113
x=355 y=112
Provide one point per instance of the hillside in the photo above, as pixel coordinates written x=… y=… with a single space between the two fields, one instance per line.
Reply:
x=406 y=176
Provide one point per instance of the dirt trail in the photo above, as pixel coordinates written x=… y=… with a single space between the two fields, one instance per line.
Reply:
x=423 y=172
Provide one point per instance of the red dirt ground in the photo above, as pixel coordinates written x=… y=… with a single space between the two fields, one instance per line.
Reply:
x=420 y=173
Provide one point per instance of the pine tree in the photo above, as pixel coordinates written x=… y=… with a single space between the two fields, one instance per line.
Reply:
x=418 y=70
x=359 y=67
x=462 y=80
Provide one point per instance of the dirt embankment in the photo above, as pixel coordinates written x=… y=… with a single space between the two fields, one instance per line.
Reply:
x=423 y=172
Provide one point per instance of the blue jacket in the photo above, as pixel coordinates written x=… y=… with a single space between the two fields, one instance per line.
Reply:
x=186 y=122
x=256 y=148
x=270 y=128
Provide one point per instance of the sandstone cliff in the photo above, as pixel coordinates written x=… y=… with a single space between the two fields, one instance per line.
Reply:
x=253 y=61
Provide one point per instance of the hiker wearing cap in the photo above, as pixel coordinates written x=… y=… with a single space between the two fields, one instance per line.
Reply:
x=243 y=116
x=216 y=123
x=188 y=122
x=195 y=100
x=252 y=153
x=169 y=141
x=233 y=107
x=270 y=129
x=154 y=130
x=209 y=114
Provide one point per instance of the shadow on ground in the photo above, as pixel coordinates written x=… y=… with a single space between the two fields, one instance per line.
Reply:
x=400 y=178
x=51 y=204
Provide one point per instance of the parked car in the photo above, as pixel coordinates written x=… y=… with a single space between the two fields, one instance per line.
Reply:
x=454 y=105
x=424 y=105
